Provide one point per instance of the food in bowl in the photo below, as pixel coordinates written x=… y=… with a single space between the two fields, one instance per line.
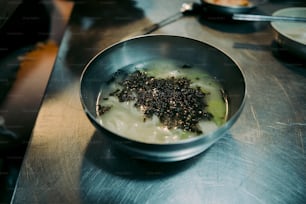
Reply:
x=229 y=2
x=155 y=56
x=229 y=7
x=161 y=101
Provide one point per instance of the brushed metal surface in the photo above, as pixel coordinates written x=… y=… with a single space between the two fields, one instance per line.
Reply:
x=260 y=160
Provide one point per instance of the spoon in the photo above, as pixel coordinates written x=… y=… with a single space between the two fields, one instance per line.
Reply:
x=186 y=9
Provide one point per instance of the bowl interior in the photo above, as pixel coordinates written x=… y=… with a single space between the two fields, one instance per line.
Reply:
x=102 y=67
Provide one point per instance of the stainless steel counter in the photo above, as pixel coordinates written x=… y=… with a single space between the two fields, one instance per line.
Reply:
x=261 y=159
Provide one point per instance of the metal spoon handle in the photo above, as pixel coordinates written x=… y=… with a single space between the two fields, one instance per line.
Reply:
x=186 y=9
x=155 y=26
x=251 y=17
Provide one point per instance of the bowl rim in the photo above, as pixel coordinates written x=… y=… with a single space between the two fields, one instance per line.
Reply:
x=207 y=136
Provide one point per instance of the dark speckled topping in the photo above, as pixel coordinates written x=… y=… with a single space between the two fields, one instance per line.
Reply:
x=172 y=100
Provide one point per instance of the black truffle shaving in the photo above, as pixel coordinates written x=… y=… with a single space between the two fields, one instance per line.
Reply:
x=102 y=109
x=172 y=100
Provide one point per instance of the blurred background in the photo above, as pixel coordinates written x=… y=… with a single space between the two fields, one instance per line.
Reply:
x=30 y=34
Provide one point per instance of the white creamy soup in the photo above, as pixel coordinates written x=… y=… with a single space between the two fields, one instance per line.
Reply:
x=161 y=101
